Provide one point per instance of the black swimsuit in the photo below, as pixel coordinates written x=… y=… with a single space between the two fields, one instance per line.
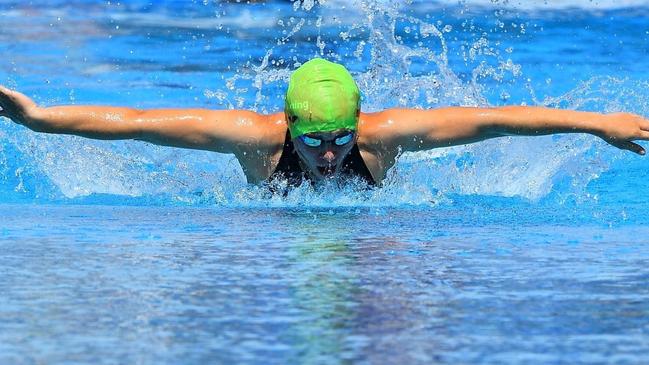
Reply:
x=289 y=167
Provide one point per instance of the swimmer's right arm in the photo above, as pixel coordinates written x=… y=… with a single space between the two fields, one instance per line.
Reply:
x=225 y=131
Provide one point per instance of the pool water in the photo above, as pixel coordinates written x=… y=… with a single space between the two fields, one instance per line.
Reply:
x=514 y=250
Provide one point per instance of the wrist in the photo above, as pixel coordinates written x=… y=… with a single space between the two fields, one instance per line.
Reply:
x=35 y=118
x=598 y=124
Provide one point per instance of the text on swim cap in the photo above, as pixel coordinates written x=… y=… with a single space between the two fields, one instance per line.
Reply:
x=304 y=105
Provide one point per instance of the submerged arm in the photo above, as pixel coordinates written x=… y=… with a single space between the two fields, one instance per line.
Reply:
x=227 y=131
x=415 y=130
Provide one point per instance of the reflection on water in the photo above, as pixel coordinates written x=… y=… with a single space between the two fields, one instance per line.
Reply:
x=151 y=285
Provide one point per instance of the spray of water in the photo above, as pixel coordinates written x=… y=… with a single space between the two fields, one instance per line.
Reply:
x=398 y=59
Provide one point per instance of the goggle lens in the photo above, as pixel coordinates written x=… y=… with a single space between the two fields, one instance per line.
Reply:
x=316 y=142
x=311 y=142
x=341 y=141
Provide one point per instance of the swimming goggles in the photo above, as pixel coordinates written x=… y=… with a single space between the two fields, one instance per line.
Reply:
x=316 y=142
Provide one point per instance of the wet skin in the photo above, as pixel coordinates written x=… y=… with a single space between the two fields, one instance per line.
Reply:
x=257 y=140
x=325 y=160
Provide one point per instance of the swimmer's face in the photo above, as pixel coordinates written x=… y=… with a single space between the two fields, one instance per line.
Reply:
x=323 y=152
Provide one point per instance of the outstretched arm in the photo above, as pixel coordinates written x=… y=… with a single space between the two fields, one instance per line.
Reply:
x=415 y=130
x=226 y=131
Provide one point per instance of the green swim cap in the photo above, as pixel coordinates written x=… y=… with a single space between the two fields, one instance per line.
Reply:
x=322 y=96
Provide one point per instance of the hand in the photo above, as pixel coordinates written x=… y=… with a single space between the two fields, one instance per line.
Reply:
x=621 y=128
x=16 y=106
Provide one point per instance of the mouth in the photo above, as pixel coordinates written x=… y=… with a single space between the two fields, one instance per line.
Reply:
x=326 y=170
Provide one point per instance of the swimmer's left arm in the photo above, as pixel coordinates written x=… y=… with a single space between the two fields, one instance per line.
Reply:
x=416 y=130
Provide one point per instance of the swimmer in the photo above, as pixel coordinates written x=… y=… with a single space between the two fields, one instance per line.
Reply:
x=321 y=133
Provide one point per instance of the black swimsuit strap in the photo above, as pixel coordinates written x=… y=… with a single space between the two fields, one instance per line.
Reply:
x=354 y=164
x=288 y=166
x=290 y=169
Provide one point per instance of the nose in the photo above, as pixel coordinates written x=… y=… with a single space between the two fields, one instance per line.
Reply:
x=329 y=156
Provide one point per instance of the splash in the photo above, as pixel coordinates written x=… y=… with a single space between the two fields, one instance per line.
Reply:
x=399 y=57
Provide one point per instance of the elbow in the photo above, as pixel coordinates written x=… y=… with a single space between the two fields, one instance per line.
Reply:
x=133 y=123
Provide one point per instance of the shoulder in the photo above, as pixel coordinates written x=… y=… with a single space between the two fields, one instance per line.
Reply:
x=382 y=135
x=383 y=124
x=376 y=129
x=272 y=129
x=374 y=135
x=261 y=152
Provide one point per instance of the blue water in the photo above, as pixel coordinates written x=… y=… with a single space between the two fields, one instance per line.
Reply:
x=514 y=250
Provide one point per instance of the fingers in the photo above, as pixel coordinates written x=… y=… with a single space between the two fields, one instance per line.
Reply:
x=4 y=93
x=13 y=103
x=639 y=121
x=633 y=147
x=642 y=122
x=644 y=125
x=11 y=95
x=643 y=135
x=5 y=102
x=5 y=98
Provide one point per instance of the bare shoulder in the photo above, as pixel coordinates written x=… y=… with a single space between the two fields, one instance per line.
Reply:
x=374 y=142
x=245 y=127
x=376 y=130
x=265 y=130
x=260 y=153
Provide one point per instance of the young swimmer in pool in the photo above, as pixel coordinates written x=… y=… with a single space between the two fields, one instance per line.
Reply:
x=321 y=133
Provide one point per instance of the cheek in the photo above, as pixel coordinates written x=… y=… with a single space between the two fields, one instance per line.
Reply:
x=343 y=152
x=306 y=155
x=311 y=158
